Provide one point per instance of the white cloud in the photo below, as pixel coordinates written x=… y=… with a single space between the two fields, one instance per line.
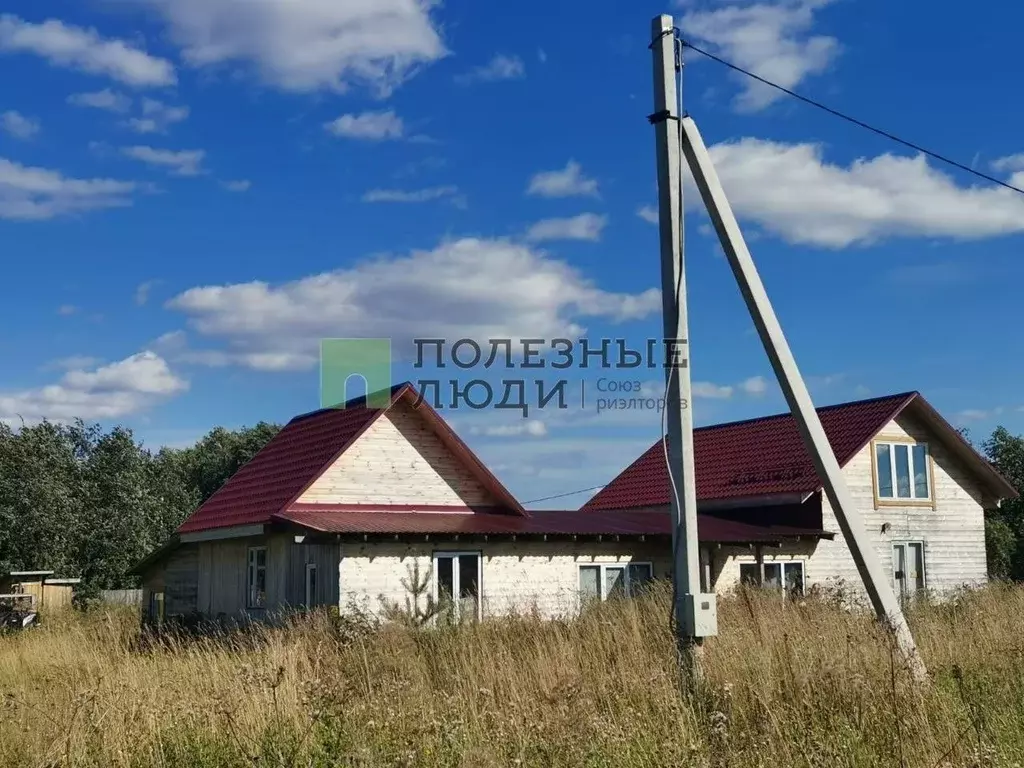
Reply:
x=755 y=386
x=770 y=39
x=18 y=125
x=67 y=309
x=108 y=392
x=368 y=126
x=157 y=117
x=977 y=414
x=112 y=101
x=648 y=213
x=586 y=226
x=238 y=185
x=567 y=182
x=142 y=291
x=469 y=287
x=409 y=196
x=501 y=67
x=1011 y=163
x=183 y=163
x=711 y=391
x=308 y=46
x=527 y=427
x=791 y=191
x=83 y=49
x=28 y=193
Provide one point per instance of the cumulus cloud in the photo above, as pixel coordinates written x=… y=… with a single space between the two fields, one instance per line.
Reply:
x=18 y=125
x=157 y=117
x=586 y=226
x=368 y=126
x=107 y=392
x=109 y=100
x=526 y=427
x=648 y=213
x=238 y=185
x=409 y=196
x=72 y=47
x=182 y=163
x=790 y=190
x=28 y=193
x=770 y=39
x=755 y=386
x=501 y=67
x=470 y=287
x=308 y=46
x=567 y=182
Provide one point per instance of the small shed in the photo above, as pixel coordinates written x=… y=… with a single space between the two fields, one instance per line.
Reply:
x=49 y=593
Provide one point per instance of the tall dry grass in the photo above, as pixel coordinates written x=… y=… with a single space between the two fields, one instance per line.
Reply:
x=786 y=685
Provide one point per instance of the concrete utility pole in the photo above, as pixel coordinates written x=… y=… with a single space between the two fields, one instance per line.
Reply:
x=879 y=589
x=694 y=612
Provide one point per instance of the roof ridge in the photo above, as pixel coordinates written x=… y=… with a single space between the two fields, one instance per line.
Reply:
x=789 y=414
x=352 y=402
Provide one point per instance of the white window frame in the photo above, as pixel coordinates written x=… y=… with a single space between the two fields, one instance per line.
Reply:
x=310 y=594
x=910 y=445
x=252 y=570
x=801 y=561
x=456 y=585
x=603 y=579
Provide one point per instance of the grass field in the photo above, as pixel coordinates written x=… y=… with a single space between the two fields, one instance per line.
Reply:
x=786 y=685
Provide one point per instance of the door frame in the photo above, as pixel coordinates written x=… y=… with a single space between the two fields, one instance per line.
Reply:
x=456 y=579
x=905 y=544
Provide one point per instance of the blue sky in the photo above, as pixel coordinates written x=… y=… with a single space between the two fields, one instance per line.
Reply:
x=194 y=192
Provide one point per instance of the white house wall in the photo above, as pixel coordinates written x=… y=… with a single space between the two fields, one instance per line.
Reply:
x=953 y=532
x=399 y=460
x=517 y=577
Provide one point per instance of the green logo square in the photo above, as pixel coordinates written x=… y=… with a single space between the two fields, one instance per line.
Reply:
x=368 y=359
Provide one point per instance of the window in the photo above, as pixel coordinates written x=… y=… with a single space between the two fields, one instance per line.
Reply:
x=902 y=471
x=603 y=581
x=256 y=582
x=786 y=576
x=908 y=568
x=311 y=600
x=457 y=581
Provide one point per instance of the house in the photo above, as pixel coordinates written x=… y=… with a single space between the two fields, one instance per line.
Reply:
x=46 y=593
x=345 y=506
x=919 y=486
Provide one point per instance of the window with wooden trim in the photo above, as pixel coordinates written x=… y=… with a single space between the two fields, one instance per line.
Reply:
x=902 y=471
x=256 y=580
x=601 y=581
x=786 y=576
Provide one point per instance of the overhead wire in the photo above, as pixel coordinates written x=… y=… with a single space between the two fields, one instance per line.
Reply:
x=849 y=118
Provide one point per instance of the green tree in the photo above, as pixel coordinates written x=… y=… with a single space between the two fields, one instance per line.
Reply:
x=1004 y=527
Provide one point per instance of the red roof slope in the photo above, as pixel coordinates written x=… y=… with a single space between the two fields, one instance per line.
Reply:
x=301 y=451
x=758 y=457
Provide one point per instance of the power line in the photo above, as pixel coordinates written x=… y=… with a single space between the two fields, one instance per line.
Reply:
x=855 y=121
x=563 y=495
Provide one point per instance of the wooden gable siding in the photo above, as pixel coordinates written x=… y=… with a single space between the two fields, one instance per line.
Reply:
x=952 y=529
x=398 y=460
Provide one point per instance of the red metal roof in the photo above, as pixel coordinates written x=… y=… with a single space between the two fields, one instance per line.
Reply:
x=560 y=523
x=300 y=452
x=758 y=457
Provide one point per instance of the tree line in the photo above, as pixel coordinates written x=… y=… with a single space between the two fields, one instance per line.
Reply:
x=89 y=503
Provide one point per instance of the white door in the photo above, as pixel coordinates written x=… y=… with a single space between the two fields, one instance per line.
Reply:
x=908 y=568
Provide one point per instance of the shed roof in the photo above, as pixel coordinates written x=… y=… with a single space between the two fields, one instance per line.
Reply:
x=308 y=445
x=765 y=457
x=554 y=523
